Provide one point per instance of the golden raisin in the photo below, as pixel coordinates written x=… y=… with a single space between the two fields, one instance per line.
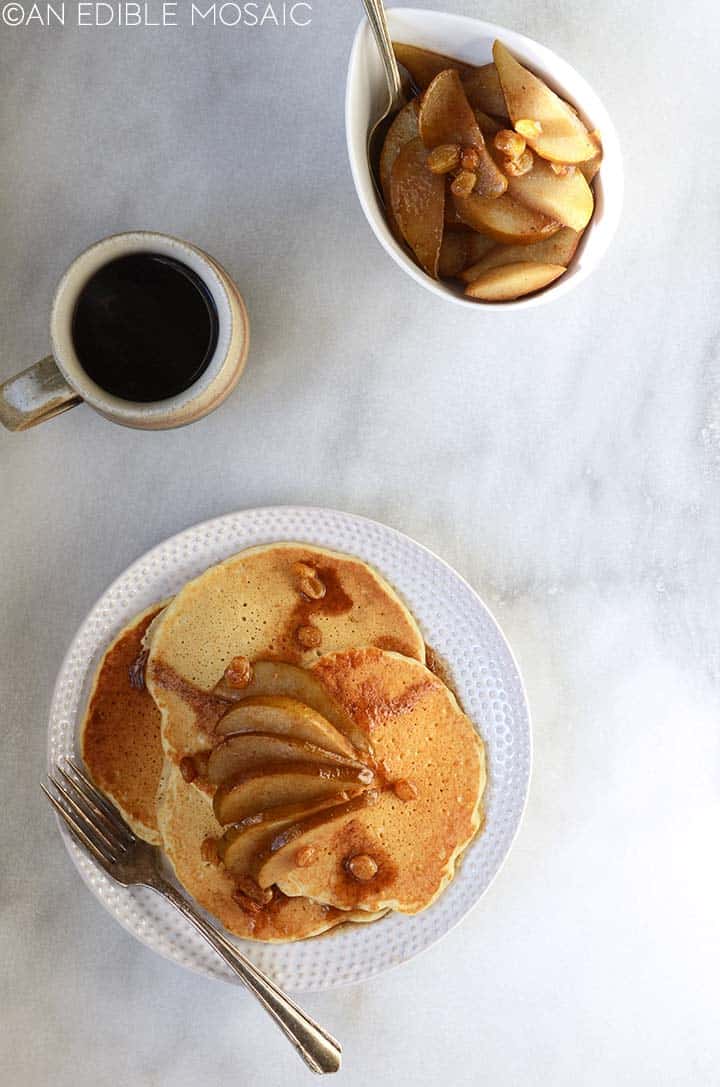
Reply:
x=244 y=902
x=510 y=143
x=310 y=584
x=470 y=158
x=362 y=867
x=405 y=790
x=464 y=183
x=384 y=768
x=306 y=856
x=518 y=167
x=444 y=158
x=247 y=886
x=188 y=768
x=527 y=128
x=239 y=673
x=312 y=587
x=209 y=850
x=309 y=637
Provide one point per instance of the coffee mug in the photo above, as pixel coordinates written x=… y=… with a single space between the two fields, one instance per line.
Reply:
x=61 y=381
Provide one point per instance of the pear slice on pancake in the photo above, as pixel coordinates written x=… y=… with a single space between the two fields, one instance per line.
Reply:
x=285 y=716
x=255 y=605
x=278 y=784
x=120 y=733
x=185 y=819
x=400 y=852
x=278 y=679
x=241 y=845
x=240 y=751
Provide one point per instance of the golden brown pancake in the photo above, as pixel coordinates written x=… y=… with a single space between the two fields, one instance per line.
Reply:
x=122 y=750
x=185 y=818
x=429 y=760
x=424 y=744
x=120 y=734
x=252 y=605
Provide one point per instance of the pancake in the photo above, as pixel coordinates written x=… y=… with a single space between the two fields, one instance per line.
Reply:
x=120 y=733
x=254 y=605
x=429 y=753
x=185 y=818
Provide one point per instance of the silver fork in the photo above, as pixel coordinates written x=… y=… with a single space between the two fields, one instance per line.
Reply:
x=97 y=825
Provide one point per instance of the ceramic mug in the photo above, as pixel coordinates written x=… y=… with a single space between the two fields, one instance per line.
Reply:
x=58 y=382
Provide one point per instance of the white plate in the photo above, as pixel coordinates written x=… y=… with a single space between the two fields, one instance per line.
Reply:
x=471 y=40
x=454 y=622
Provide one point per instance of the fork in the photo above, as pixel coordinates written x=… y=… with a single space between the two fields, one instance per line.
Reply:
x=97 y=825
x=397 y=96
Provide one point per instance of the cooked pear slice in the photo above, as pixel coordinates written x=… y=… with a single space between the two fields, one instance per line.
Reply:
x=403 y=129
x=240 y=845
x=562 y=136
x=417 y=198
x=482 y=83
x=446 y=117
x=461 y=248
x=504 y=219
x=478 y=246
x=454 y=253
x=590 y=168
x=559 y=249
x=512 y=281
x=276 y=784
x=284 y=716
x=289 y=680
x=484 y=91
x=282 y=854
x=423 y=64
x=566 y=198
x=487 y=124
x=452 y=219
x=445 y=114
x=239 y=751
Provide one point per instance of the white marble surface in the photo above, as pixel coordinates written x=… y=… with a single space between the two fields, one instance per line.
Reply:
x=567 y=464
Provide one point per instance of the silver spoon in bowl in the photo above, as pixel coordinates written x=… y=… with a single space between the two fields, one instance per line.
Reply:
x=397 y=88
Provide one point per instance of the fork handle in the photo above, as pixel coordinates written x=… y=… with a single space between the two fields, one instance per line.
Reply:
x=375 y=11
x=320 y=1051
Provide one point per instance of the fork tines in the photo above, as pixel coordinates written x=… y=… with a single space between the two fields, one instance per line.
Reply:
x=88 y=815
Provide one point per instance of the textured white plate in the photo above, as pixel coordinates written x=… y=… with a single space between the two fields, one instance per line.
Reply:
x=454 y=622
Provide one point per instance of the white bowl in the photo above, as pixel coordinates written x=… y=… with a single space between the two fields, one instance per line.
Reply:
x=471 y=40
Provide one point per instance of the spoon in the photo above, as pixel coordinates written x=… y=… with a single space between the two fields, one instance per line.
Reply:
x=397 y=93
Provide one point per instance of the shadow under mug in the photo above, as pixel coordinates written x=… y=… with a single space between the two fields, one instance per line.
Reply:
x=58 y=382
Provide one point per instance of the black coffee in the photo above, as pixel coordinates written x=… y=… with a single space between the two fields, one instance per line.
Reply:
x=145 y=327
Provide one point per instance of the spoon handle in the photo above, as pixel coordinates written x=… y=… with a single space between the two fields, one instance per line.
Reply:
x=375 y=11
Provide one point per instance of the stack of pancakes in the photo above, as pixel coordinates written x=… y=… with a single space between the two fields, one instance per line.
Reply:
x=276 y=730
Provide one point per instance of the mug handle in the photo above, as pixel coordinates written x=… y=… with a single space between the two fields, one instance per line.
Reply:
x=34 y=395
